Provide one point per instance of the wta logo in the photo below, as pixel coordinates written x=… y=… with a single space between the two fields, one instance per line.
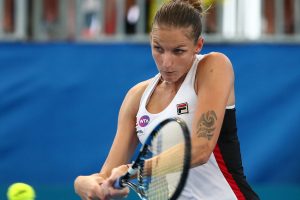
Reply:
x=144 y=120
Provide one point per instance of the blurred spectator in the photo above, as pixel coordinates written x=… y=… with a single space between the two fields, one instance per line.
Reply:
x=71 y=21
x=65 y=25
x=269 y=15
x=51 y=17
x=8 y=25
x=50 y=9
x=110 y=17
x=129 y=25
x=210 y=16
x=92 y=24
x=153 y=7
x=289 y=16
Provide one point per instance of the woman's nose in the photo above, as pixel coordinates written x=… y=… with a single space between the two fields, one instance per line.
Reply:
x=167 y=60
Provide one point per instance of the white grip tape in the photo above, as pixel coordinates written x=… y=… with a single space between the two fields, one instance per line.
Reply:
x=132 y=171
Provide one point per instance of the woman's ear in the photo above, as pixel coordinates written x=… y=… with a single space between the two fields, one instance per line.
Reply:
x=199 y=44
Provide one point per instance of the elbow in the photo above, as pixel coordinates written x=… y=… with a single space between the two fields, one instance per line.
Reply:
x=200 y=155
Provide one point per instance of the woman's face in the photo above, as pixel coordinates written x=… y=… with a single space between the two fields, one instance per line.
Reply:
x=173 y=51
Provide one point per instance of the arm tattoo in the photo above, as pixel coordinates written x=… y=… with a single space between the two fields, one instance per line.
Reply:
x=206 y=125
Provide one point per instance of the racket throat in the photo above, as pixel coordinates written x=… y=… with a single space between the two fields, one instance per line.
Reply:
x=140 y=190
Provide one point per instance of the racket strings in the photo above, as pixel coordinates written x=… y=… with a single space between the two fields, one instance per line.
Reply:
x=167 y=176
x=165 y=169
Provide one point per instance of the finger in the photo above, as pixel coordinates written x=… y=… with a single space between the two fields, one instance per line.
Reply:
x=96 y=193
x=119 y=193
x=90 y=198
x=105 y=190
x=94 y=198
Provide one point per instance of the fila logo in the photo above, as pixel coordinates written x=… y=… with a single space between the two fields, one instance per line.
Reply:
x=182 y=108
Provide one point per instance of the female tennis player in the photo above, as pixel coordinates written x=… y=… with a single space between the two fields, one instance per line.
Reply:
x=197 y=88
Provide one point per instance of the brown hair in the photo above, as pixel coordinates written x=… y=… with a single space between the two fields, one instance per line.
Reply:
x=182 y=14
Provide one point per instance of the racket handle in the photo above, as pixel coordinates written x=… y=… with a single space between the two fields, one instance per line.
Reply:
x=118 y=183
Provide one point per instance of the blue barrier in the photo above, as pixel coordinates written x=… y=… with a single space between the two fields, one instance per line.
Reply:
x=59 y=105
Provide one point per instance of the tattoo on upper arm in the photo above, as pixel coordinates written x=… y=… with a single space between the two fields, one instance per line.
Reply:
x=206 y=125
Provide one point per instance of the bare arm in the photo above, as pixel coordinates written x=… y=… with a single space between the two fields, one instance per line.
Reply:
x=214 y=84
x=126 y=140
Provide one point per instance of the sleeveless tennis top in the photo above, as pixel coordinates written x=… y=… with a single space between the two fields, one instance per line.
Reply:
x=222 y=177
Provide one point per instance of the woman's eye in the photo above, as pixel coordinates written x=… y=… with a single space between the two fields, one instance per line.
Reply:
x=178 y=51
x=158 y=48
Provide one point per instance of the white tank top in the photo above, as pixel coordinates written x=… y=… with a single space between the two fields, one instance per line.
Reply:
x=206 y=181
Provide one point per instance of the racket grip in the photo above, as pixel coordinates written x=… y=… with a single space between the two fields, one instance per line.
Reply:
x=118 y=183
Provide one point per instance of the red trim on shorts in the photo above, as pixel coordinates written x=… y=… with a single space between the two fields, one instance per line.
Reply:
x=227 y=174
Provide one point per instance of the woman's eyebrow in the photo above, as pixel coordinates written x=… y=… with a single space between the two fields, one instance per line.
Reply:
x=181 y=45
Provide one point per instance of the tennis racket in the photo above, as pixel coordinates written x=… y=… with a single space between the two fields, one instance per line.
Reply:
x=162 y=165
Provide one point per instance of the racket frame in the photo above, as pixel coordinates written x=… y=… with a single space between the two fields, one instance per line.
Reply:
x=138 y=164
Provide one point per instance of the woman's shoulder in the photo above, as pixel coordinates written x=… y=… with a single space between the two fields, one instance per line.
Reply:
x=133 y=97
x=215 y=61
x=140 y=87
x=216 y=57
x=135 y=93
x=215 y=67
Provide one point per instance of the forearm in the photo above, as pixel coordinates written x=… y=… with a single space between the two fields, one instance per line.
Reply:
x=166 y=162
x=173 y=158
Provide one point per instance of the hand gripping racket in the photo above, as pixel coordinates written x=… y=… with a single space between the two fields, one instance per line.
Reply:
x=162 y=165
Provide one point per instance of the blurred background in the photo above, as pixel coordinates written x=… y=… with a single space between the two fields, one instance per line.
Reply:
x=65 y=66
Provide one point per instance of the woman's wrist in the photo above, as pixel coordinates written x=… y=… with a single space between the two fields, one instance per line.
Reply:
x=101 y=175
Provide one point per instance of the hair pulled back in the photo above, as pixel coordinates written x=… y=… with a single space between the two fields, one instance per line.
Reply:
x=181 y=14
